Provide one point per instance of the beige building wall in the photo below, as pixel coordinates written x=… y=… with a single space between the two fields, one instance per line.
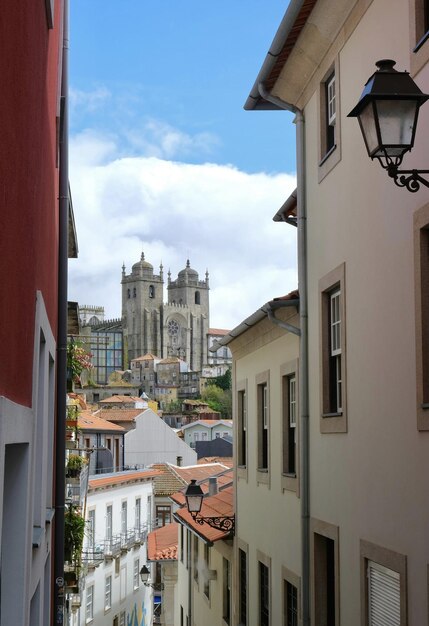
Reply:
x=267 y=503
x=368 y=483
x=202 y=580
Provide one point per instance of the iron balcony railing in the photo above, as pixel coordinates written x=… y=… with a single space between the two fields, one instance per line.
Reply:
x=112 y=547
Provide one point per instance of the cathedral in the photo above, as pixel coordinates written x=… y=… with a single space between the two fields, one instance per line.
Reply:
x=176 y=328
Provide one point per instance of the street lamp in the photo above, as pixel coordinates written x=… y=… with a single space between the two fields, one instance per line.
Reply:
x=387 y=111
x=144 y=575
x=194 y=499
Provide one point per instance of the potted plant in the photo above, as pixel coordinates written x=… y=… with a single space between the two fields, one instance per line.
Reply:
x=75 y=463
x=74 y=529
x=78 y=360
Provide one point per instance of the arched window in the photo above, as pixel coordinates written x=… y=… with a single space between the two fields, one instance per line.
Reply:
x=129 y=293
x=134 y=292
x=197 y=297
x=151 y=291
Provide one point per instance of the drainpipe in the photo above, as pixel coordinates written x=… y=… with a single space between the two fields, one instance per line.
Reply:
x=303 y=368
x=61 y=391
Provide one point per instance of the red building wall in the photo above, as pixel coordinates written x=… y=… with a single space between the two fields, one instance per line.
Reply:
x=29 y=76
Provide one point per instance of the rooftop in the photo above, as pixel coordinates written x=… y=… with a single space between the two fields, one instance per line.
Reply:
x=162 y=543
x=89 y=421
x=121 y=478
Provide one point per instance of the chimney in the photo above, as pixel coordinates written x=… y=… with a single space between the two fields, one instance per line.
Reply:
x=179 y=460
x=212 y=486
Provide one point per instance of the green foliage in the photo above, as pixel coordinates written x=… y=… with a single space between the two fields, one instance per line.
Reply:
x=75 y=461
x=174 y=406
x=74 y=530
x=223 y=381
x=219 y=400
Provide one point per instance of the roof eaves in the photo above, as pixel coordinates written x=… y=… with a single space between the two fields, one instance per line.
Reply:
x=290 y=27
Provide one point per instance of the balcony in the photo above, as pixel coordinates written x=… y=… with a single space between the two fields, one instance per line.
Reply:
x=93 y=556
x=112 y=547
x=128 y=539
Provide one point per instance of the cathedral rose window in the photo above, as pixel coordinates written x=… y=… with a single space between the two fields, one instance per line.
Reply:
x=173 y=327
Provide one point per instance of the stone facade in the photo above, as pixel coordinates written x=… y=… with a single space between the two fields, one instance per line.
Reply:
x=177 y=328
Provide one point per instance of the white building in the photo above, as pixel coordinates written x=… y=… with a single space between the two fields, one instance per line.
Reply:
x=118 y=513
x=153 y=441
x=206 y=430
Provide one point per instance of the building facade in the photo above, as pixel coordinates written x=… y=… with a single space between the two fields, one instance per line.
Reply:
x=31 y=169
x=118 y=511
x=362 y=249
x=177 y=328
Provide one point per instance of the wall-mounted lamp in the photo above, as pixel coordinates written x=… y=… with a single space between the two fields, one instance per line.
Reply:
x=194 y=499
x=387 y=112
x=144 y=575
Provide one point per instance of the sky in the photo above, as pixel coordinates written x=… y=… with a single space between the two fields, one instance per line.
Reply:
x=163 y=158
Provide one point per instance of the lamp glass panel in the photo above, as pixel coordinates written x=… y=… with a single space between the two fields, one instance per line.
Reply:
x=194 y=503
x=396 y=120
x=368 y=125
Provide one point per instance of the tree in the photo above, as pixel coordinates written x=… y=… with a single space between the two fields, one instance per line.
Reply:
x=218 y=399
x=223 y=381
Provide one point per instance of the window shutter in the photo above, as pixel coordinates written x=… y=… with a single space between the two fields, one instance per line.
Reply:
x=384 y=605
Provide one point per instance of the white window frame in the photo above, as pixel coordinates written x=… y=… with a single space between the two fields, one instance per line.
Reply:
x=122 y=618
x=331 y=100
x=108 y=593
x=335 y=341
x=136 y=574
x=109 y=521
x=124 y=516
x=138 y=514
x=265 y=405
x=91 y=529
x=89 y=605
x=292 y=401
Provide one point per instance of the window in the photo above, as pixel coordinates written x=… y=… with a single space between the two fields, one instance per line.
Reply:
x=89 y=607
x=203 y=436
x=151 y=291
x=128 y=293
x=217 y=435
x=289 y=424
x=291 y=599
x=242 y=426
x=137 y=519
x=197 y=297
x=207 y=571
x=149 y=512
x=333 y=357
x=242 y=587
x=263 y=422
x=324 y=539
x=122 y=619
x=108 y=593
x=124 y=520
x=136 y=574
x=91 y=529
x=196 y=436
x=188 y=549
x=421 y=21
x=134 y=292
x=421 y=270
x=290 y=604
x=329 y=121
x=195 y=559
x=109 y=514
x=264 y=595
x=226 y=611
x=163 y=515
x=383 y=585
x=123 y=583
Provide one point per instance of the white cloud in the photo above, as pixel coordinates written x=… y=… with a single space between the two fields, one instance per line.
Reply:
x=88 y=100
x=216 y=215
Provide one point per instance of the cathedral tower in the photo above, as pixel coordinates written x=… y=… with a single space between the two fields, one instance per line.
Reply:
x=142 y=298
x=186 y=318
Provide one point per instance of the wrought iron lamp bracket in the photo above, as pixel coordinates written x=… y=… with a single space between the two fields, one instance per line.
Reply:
x=226 y=524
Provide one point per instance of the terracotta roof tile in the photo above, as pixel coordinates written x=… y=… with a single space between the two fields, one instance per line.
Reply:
x=162 y=543
x=219 y=505
x=217 y=331
x=227 y=460
x=120 y=415
x=119 y=399
x=168 y=482
x=89 y=421
x=102 y=481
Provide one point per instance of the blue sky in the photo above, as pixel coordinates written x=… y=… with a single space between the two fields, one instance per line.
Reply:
x=157 y=94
